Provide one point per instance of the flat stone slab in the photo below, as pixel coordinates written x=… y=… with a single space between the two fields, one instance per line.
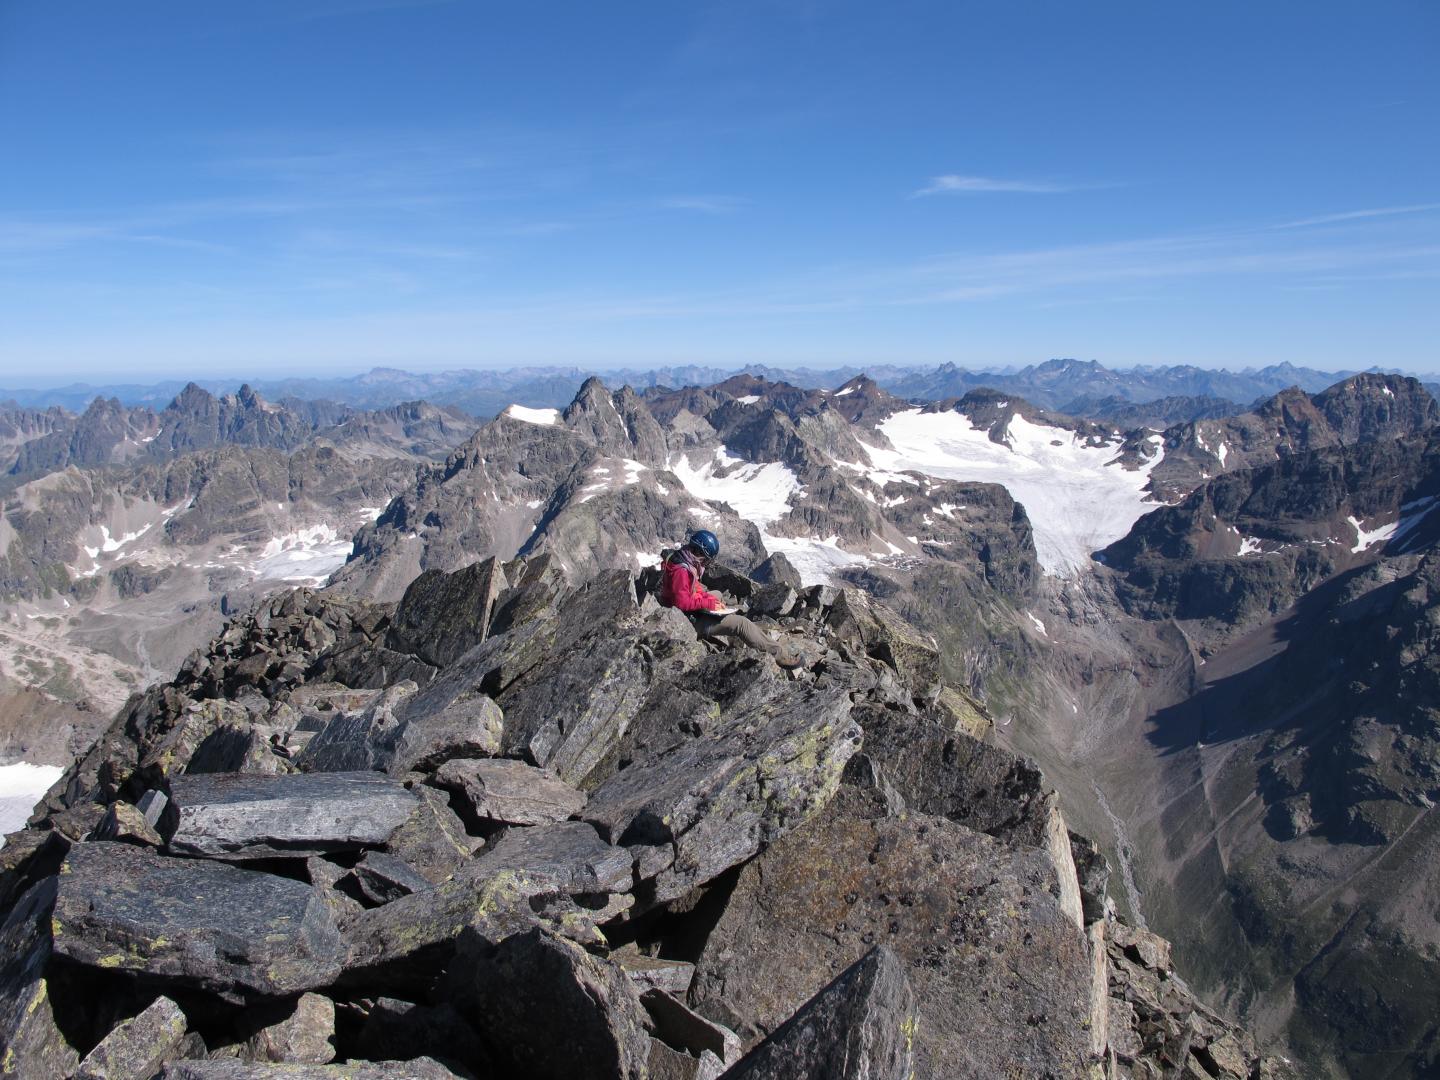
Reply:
x=570 y=852
x=419 y=1069
x=241 y=816
x=202 y=923
x=511 y=792
x=137 y=1046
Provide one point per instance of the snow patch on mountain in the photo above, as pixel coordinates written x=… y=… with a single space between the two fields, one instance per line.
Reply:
x=543 y=417
x=21 y=786
x=305 y=556
x=1365 y=538
x=1079 y=497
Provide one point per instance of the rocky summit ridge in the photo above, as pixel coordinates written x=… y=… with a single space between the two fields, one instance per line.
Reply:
x=514 y=827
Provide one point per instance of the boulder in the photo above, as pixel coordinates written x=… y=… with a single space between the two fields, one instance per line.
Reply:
x=653 y=973
x=1001 y=976
x=32 y=1046
x=138 y=1047
x=873 y=629
x=126 y=824
x=716 y=799
x=666 y=1063
x=433 y=841
x=240 y=748
x=391 y=1029
x=510 y=792
x=304 y=1035
x=442 y=616
x=447 y=720
x=553 y=1011
x=777 y=570
x=379 y=878
x=358 y=741
x=239 y=816
x=569 y=852
x=862 y=1026
x=199 y=923
x=675 y=1024
x=778 y=600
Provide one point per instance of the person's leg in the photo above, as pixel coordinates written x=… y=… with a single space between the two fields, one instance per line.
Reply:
x=738 y=626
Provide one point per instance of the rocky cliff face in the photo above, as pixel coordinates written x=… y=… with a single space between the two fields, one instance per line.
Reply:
x=512 y=827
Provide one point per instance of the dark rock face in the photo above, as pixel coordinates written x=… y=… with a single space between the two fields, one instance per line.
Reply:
x=554 y=1011
x=202 y=924
x=139 y=1046
x=817 y=900
x=863 y=1025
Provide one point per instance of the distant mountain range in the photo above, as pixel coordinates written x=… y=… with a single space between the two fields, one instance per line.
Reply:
x=1080 y=387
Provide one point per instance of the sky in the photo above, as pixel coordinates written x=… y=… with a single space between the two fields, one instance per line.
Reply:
x=323 y=186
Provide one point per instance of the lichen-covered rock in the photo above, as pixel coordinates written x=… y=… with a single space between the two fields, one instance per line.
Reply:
x=240 y=816
x=569 y=852
x=432 y=840
x=304 y=1035
x=419 y=1069
x=716 y=799
x=32 y=1046
x=863 y=1026
x=379 y=878
x=126 y=824
x=137 y=1048
x=553 y=1011
x=442 y=616
x=195 y=922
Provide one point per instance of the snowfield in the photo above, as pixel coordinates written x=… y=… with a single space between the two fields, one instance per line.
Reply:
x=1078 y=497
x=304 y=557
x=21 y=786
x=543 y=417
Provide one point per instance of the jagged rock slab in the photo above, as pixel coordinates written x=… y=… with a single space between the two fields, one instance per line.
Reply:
x=126 y=824
x=405 y=943
x=442 y=616
x=31 y=1042
x=391 y=1029
x=553 y=1010
x=433 y=840
x=450 y=719
x=878 y=631
x=510 y=792
x=239 y=816
x=358 y=741
x=380 y=878
x=305 y=1035
x=200 y=923
x=137 y=1047
x=1001 y=976
x=716 y=799
x=667 y=1063
x=862 y=1026
x=653 y=973
x=678 y=1026
x=569 y=852
x=419 y=1069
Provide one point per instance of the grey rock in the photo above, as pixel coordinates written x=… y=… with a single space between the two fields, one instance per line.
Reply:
x=138 y=1047
x=240 y=749
x=553 y=1011
x=652 y=973
x=152 y=804
x=126 y=824
x=510 y=792
x=442 y=616
x=32 y=1045
x=863 y=1026
x=873 y=629
x=964 y=913
x=718 y=798
x=236 y=816
x=305 y=1036
x=380 y=878
x=668 y=1064
x=778 y=600
x=200 y=923
x=419 y=1069
x=433 y=840
x=360 y=740
x=777 y=570
x=391 y=1029
x=683 y=1029
x=467 y=725
x=569 y=852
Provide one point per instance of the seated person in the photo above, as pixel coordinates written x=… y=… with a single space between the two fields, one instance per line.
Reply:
x=680 y=588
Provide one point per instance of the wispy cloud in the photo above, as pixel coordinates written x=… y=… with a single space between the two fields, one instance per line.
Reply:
x=704 y=204
x=1356 y=215
x=956 y=184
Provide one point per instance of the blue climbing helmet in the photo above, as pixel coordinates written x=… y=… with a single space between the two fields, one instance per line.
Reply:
x=704 y=542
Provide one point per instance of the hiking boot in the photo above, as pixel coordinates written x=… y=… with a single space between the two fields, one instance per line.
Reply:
x=789 y=656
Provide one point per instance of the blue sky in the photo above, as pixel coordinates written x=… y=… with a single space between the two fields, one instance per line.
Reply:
x=327 y=185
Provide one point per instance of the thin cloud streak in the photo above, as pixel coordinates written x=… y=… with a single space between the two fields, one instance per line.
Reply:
x=705 y=204
x=955 y=184
x=1356 y=215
